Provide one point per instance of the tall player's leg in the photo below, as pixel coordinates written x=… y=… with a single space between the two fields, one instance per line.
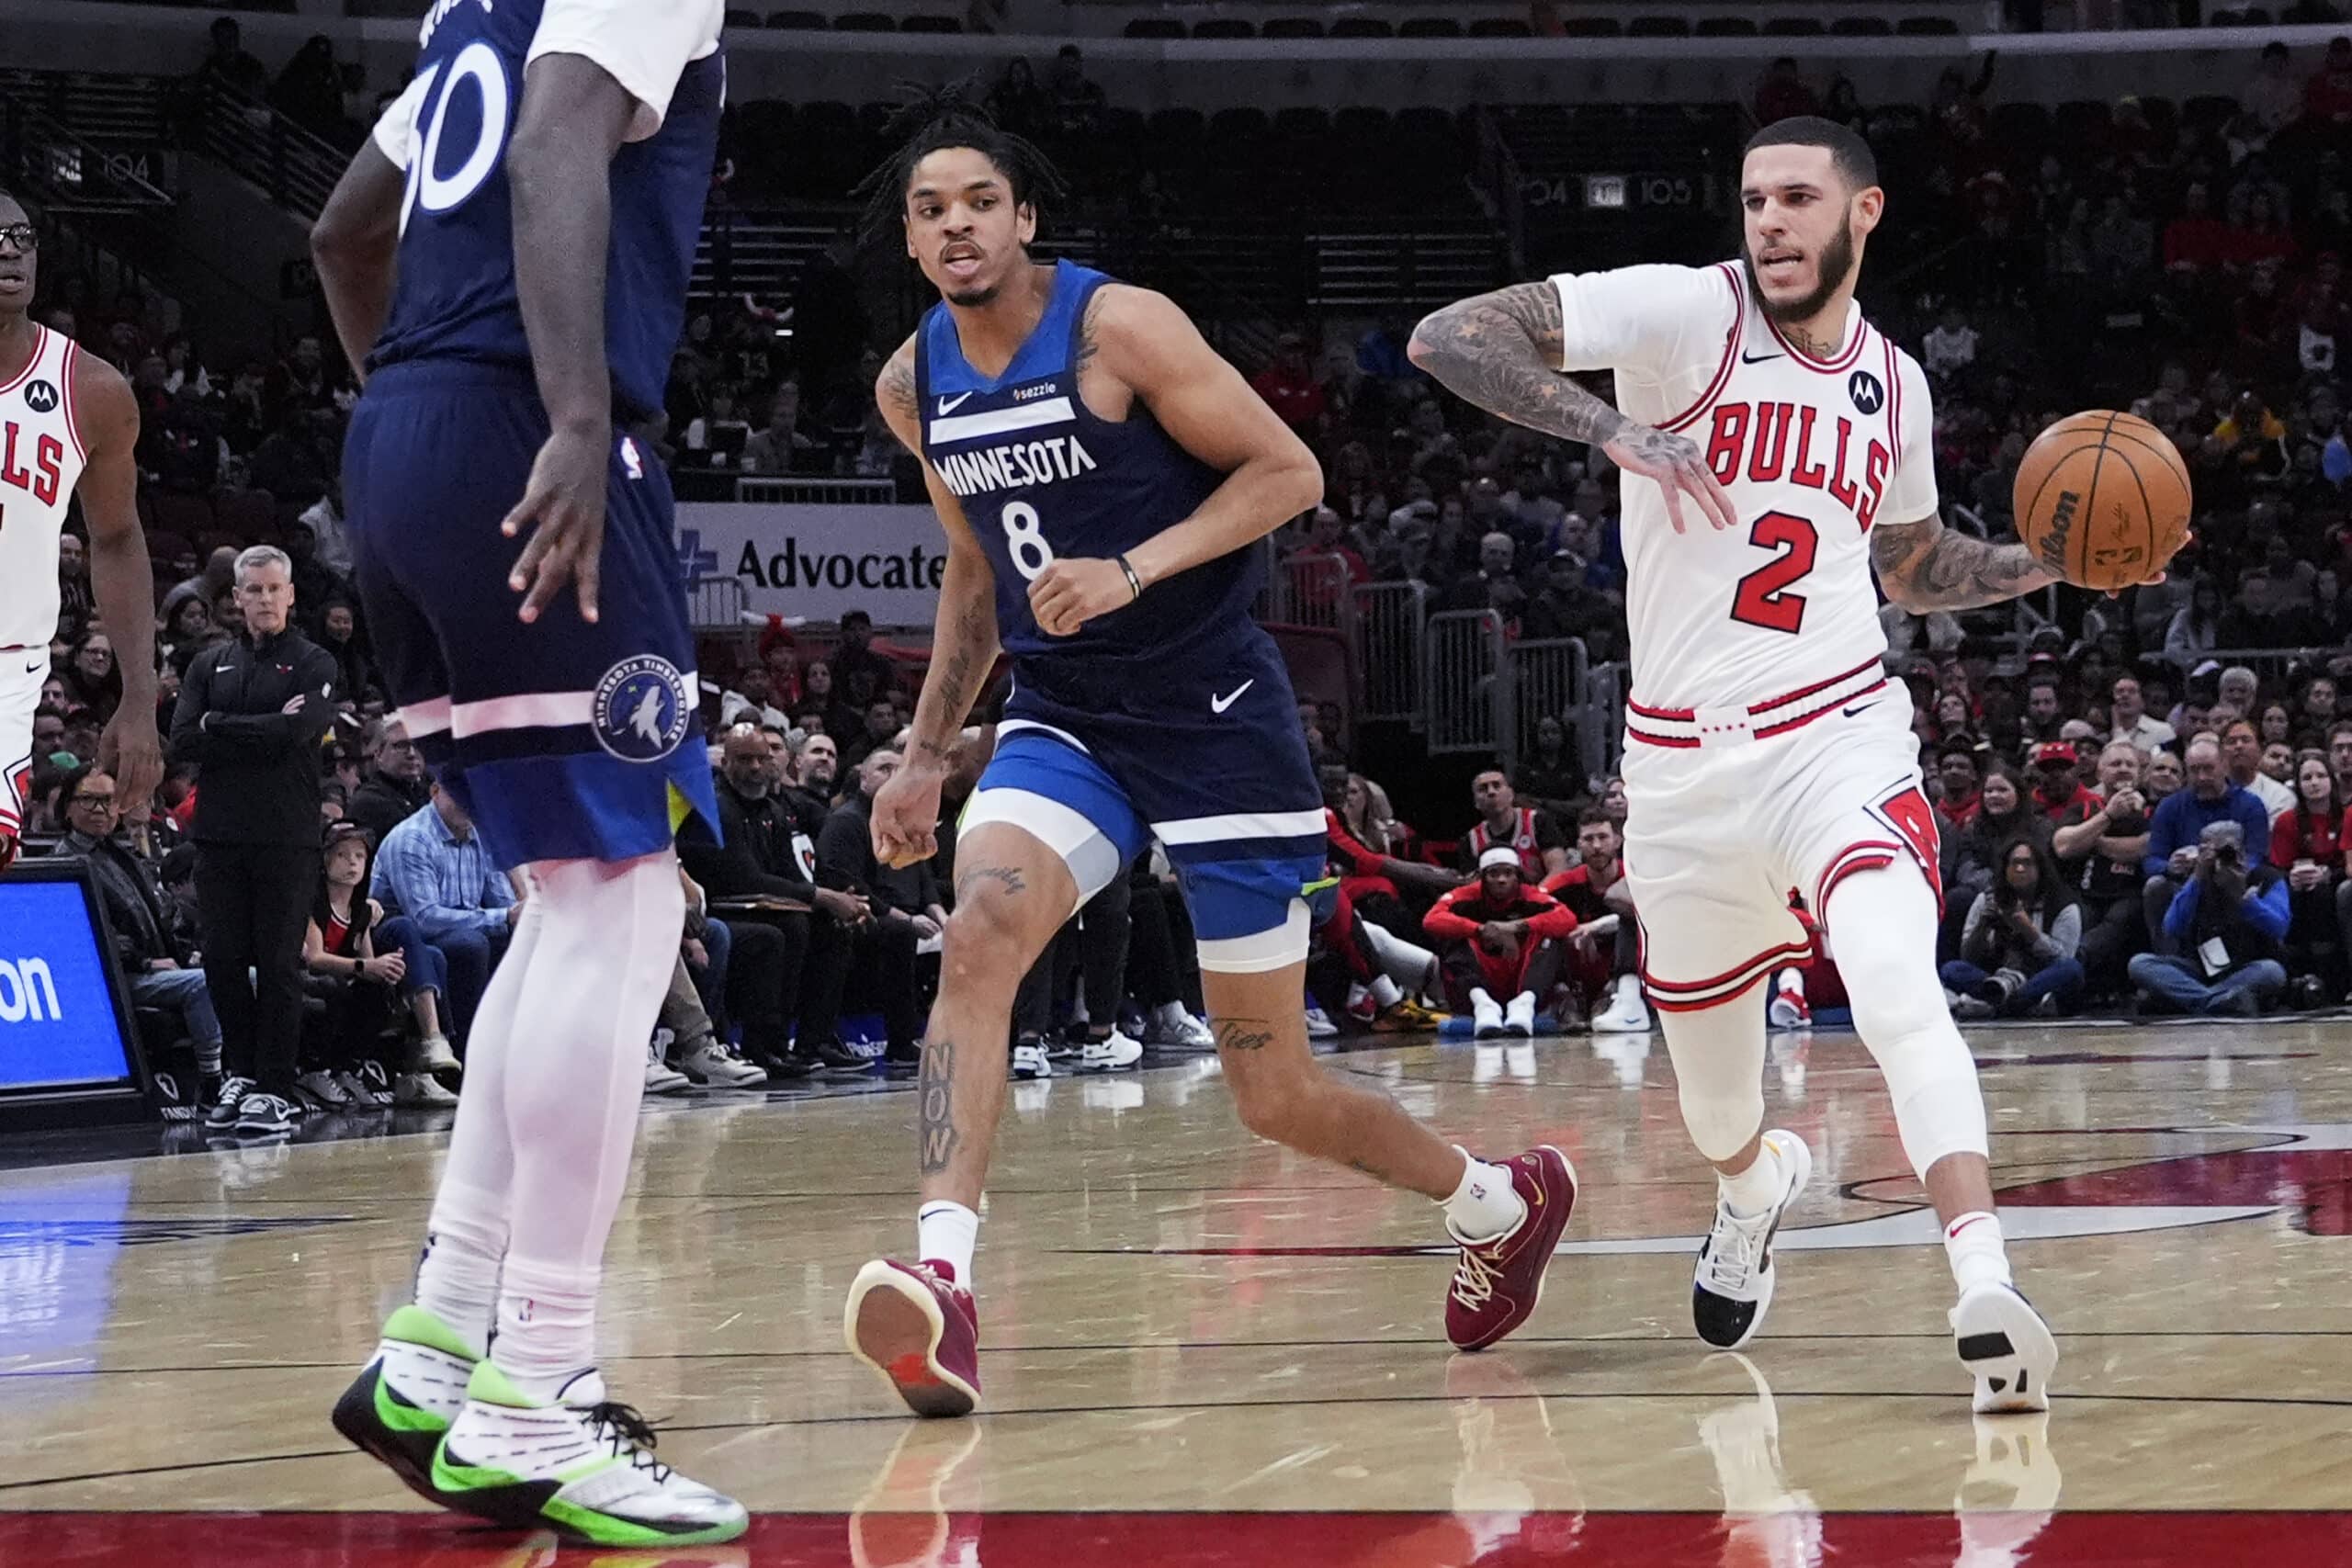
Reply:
x=1045 y=829
x=21 y=673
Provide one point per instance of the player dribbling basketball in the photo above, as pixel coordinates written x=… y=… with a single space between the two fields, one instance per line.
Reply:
x=1778 y=448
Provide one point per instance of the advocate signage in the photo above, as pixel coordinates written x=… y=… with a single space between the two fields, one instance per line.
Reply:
x=63 y=1029
x=818 y=561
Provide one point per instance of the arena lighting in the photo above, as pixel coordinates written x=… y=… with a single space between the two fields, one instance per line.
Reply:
x=1604 y=190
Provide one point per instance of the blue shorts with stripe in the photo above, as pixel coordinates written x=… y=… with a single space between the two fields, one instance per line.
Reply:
x=1097 y=758
x=566 y=739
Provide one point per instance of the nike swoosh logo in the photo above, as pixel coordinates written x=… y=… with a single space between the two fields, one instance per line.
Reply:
x=1748 y=359
x=949 y=405
x=37 y=666
x=1219 y=705
x=1863 y=708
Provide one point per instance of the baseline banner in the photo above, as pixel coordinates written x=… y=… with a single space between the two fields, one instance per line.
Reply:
x=59 y=1025
x=818 y=561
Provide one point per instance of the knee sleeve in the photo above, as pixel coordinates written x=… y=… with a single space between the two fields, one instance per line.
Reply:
x=1719 y=1070
x=1881 y=927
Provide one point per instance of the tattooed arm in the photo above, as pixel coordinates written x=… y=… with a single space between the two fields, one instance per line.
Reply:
x=1502 y=352
x=963 y=645
x=1925 y=566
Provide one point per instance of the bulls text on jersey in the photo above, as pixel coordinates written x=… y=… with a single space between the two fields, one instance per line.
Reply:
x=1766 y=441
x=44 y=479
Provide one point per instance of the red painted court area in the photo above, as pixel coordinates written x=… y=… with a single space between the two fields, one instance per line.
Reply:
x=1208 y=1540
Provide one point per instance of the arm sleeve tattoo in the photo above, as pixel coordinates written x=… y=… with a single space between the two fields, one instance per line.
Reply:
x=1501 y=351
x=1926 y=566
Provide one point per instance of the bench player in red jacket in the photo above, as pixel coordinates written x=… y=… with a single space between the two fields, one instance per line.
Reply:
x=1497 y=936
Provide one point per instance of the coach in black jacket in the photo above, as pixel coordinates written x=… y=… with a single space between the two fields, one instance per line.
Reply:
x=252 y=714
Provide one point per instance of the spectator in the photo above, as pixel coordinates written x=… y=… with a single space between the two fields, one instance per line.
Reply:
x=2309 y=845
x=433 y=869
x=2045 y=712
x=777 y=447
x=1528 y=830
x=2242 y=758
x=252 y=714
x=2196 y=629
x=2272 y=95
x=2174 y=833
x=1498 y=935
x=2278 y=763
x=1552 y=776
x=2162 y=778
x=395 y=787
x=188 y=627
x=2129 y=719
x=881 y=727
x=753 y=701
x=906 y=902
x=74 y=595
x=2223 y=930
x=1951 y=349
x=1604 y=951
x=91 y=679
x=1373 y=820
x=2018 y=948
x=1078 y=103
x=1567 y=606
x=2197 y=242
x=157 y=964
x=360 y=978
x=226 y=64
x=309 y=90
x=1289 y=388
x=1017 y=103
x=2318 y=704
x=1494 y=586
x=2099 y=849
x=1959 y=794
x=1782 y=94
x=859 y=674
x=2057 y=787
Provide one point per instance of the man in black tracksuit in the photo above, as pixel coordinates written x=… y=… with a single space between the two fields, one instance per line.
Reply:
x=252 y=714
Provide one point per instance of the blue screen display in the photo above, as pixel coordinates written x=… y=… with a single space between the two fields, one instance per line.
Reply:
x=57 y=1017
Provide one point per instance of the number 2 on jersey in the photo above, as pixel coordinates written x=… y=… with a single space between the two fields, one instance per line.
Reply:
x=1024 y=535
x=1764 y=599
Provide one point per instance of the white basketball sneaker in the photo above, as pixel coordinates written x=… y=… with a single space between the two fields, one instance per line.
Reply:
x=1487 y=1014
x=1788 y=1009
x=2006 y=1346
x=1731 y=1289
x=583 y=1466
x=714 y=1066
x=1116 y=1055
x=660 y=1078
x=1518 y=1016
x=1169 y=1026
x=1030 y=1061
x=1318 y=1022
x=1626 y=1012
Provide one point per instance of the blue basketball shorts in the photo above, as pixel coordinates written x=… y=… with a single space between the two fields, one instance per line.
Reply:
x=565 y=740
x=1205 y=756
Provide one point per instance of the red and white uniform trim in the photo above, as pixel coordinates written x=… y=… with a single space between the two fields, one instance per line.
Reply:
x=1676 y=727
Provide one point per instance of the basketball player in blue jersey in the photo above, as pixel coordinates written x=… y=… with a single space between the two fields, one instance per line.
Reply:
x=538 y=190
x=1103 y=476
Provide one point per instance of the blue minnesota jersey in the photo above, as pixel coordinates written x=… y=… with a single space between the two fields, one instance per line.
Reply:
x=456 y=298
x=1041 y=477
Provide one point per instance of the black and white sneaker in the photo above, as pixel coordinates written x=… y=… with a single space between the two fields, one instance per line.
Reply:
x=2005 y=1347
x=261 y=1113
x=376 y=1082
x=226 y=1109
x=1731 y=1287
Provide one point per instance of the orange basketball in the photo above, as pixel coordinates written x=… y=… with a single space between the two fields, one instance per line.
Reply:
x=2103 y=499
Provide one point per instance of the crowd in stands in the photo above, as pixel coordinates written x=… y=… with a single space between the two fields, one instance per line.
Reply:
x=2133 y=814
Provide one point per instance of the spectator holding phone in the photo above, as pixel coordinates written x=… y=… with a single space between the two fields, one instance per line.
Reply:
x=2018 y=949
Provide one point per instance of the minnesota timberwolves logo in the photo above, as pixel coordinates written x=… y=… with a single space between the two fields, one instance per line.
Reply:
x=640 y=711
x=1863 y=387
x=41 y=398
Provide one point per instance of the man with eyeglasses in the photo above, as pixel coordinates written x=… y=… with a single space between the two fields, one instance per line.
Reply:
x=396 y=787
x=69 y=426
x=161 y=971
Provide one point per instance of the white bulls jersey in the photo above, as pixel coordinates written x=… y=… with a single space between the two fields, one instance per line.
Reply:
x=40 y=462
x=1813 y=453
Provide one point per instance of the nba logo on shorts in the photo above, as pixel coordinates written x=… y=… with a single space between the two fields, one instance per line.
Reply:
x=640 y=711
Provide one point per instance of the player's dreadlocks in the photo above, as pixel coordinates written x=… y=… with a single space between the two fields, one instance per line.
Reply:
x=948 y=118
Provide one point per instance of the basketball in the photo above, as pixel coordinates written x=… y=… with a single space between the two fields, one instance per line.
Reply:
x=2103 y=499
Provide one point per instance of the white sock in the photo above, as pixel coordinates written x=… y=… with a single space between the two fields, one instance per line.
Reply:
x=607 y=943
x=1759 y=1187
x=947 y=1233
x=457 y=1280
x=547 y=1325
x=1974 y=1248
x=1385 y=991
x=1486 y=1204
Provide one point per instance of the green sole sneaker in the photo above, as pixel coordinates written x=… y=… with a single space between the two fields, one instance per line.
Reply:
x=398 y=1432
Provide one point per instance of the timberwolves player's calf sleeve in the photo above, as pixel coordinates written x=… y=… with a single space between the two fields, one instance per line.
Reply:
x=1718 y=1054
x=1882 y=926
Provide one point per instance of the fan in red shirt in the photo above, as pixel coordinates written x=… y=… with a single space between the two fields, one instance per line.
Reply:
x=2057 y=788
x=1369 y=918
x=1499 y=937
x=1961 y=796
x=1289 y=386
x=2309 y=842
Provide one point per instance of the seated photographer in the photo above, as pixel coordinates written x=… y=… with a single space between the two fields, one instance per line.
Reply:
x=1498 y=936
x=2225 y=930
x=160 y=968
x=2017 y=947
x=2099 y=850
x=2174 y=834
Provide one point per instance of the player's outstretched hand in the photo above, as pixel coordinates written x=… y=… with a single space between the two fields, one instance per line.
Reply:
x=1074 y=590
x=1680 y=468
x=906 y=817
x=565 y=500
x=129 y=750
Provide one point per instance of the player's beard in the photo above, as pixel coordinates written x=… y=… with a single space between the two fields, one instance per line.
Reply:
x=1835 y=267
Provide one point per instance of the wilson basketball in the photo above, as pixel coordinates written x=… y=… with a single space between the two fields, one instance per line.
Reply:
x=2103 y=499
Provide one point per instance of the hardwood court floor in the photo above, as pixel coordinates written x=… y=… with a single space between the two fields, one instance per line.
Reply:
x=1200 y=1349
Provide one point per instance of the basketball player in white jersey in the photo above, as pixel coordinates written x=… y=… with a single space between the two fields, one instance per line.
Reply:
x=1777 y=448
x=68 y=425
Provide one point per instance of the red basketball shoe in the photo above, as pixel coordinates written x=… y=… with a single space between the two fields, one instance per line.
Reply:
x=918 y=1327
x=1498 y=1283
